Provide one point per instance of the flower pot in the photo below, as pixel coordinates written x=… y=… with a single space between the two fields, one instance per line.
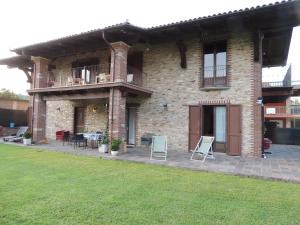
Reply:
x=103 y=148
x=114 y=153
x=27 y=141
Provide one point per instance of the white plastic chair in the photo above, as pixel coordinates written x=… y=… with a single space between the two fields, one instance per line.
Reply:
x=129 y=78
x=204 y=148
x=159 y=147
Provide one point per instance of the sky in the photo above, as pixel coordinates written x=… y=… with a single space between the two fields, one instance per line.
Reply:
x=31 y=21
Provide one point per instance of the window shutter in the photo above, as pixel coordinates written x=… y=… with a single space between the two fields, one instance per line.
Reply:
x=195 y=116
x=234 y=130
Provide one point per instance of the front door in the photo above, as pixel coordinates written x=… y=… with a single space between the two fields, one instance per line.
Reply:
x=79 y=116
x=131 y=123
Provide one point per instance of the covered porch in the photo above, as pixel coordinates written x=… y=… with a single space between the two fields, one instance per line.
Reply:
x=109 y=111
x=89 y=94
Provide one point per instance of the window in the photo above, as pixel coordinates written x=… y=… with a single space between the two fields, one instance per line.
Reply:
x=215 y=64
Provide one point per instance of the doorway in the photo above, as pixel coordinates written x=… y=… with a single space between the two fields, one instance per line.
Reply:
x=79 y=119
x=131 y=125
x=215 y=124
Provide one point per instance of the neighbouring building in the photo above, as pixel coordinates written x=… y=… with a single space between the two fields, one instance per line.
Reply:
x=197 y=77
x=13 y=113
x=278 y=105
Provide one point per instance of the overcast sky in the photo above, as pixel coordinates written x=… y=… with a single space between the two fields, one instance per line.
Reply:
x=31 y=21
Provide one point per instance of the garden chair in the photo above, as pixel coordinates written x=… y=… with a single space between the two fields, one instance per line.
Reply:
x=17 y=136
x=204 y=148
x=101 y=78
x=159 y=147
x=79 y=139
x=129 y=78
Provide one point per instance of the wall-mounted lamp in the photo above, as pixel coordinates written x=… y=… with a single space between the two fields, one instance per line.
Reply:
x=94 y=109
x=106 y=105
x=259 y=100
x=165 y=105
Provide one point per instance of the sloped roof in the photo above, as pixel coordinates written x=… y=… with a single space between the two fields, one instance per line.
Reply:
x=284 y=14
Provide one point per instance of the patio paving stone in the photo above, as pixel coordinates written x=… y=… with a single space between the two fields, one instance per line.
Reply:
x=282 y=164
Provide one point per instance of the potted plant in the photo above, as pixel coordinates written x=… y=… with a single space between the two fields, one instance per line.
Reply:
x=27 y=138
x=103 y=146
x=115 y=145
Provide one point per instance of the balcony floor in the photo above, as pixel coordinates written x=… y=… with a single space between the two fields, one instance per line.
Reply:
x=91 y=88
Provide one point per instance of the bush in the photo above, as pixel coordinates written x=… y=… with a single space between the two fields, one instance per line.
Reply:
x=115 y=144
x=27 y=135
x=104 y=140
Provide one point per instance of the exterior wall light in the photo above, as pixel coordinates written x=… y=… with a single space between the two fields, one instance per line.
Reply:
x=165 y=105
x=259 y=100
x=94 y=109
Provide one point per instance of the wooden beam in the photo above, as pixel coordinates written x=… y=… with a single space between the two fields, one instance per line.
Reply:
x=258 y=38
x=182 y=51
x=76 y=96
x=29 y=76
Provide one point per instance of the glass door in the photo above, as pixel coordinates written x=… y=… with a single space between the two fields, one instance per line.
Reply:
x=220 y=128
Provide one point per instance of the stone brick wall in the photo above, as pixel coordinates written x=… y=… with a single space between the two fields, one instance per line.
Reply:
x=60 y=116
x=96 y=121
x=179 y=88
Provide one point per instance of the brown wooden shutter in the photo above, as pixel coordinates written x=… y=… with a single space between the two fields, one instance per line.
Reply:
x=195 y=115
x=234 y=130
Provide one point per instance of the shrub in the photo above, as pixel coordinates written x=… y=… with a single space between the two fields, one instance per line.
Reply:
x=104 y=140
x=115 y=144
x=27 y=135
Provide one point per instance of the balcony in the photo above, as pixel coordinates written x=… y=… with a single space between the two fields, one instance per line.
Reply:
x=215 y=77
x=90 y=75
x=92 y=79
x=292 y=111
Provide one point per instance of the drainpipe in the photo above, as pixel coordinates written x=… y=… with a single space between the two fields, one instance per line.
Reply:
x=113 y=79
x=33 y=97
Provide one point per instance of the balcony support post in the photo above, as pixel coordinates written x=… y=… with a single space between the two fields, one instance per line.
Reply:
x=117 y=101
x=39 y=105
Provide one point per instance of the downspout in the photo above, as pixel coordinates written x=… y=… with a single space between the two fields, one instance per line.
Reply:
x=111 y=112
x=33 y=97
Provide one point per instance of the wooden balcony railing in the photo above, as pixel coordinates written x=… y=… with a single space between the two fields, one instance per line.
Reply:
x=215 y=76
x=93 y=74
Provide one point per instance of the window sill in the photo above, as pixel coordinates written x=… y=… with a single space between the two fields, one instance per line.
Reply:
x=214 y=88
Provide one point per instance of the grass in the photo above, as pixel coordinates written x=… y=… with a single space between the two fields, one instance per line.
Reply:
x=40 y=187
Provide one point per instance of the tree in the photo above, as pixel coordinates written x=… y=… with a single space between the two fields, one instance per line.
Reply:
x=11 y=95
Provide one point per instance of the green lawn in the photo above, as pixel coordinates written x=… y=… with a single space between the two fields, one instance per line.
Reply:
x=40 y=187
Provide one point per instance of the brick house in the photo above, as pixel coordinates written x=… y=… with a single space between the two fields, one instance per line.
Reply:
x=196 y=77
x=13 y=113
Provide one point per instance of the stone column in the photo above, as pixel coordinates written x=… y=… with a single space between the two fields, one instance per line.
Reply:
x=39 y=105
x=117 y=109
x=117 y=99
x=119 y=61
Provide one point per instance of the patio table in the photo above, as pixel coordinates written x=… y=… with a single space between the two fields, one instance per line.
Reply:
x=92 y=138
